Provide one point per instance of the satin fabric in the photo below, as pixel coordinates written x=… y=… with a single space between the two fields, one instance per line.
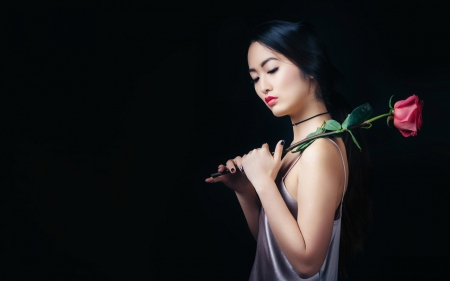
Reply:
x=271 y=264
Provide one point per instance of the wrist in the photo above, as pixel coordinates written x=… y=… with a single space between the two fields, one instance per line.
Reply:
x=244 y=189
x=262 y=182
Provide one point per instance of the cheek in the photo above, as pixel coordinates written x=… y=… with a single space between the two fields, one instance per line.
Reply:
x=288 y=77
x=291 y=78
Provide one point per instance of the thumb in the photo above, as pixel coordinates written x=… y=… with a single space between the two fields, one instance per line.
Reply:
x=278 y=150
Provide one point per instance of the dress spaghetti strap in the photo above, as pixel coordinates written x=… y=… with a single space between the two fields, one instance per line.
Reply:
x=292 y=165
x=345 y=173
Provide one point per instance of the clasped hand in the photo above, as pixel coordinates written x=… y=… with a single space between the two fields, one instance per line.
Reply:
x=257 y=166
x=260 y=165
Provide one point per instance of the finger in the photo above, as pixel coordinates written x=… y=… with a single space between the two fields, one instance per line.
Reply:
x=221 y=168
x=238 y=162
x=213 y=180
x=278 y=150
x=231 y=166
x=265 y=145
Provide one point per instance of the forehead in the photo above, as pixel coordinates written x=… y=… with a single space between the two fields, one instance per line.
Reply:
x=257 y=53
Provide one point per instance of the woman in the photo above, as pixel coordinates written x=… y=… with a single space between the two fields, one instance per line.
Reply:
x=308 y=211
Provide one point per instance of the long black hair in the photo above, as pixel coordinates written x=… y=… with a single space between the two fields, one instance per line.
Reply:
x=301 y=44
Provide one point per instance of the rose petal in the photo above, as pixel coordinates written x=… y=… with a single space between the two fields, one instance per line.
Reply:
x=406 y=113
x=411 y=100
x=406 y=133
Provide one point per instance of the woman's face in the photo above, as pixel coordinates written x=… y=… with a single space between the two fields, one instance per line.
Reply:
x=278 y=81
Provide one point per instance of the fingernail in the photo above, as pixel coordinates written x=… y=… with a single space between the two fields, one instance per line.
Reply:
x=282 y=142
x=232 y=169
x=242 y=168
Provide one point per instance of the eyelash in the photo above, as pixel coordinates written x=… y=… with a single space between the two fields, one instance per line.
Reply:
x=253 y=81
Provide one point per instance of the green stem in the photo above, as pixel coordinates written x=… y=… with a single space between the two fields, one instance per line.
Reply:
x=380 y=116
x=320 y=135
x=336 y=132
x=311 y=138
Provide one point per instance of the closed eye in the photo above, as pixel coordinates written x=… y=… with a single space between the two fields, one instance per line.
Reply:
x=273 y=70
x=269 y=72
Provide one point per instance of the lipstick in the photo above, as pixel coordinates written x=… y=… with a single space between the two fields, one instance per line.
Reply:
x=270 y=100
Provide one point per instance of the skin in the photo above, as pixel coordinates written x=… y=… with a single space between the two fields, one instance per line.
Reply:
x=304 y=240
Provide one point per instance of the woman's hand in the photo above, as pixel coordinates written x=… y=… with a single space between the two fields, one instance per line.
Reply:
x=236 y=179
x=260 y=165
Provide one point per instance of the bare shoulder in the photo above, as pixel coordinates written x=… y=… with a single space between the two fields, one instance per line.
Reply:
x=321 y=171
x=323 y=154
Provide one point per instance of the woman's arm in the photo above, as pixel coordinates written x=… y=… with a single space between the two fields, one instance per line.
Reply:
x=244 y=190
x=250 y=204
x=320 y=175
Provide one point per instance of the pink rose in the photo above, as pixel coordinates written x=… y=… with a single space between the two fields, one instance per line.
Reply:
x=408 y=115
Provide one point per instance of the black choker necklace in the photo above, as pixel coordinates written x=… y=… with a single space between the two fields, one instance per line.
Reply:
x=295 y=124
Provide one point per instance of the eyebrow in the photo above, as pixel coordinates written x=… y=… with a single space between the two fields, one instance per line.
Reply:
x=262 y=64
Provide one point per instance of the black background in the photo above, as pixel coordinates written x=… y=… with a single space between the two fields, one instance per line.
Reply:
x=118 y=110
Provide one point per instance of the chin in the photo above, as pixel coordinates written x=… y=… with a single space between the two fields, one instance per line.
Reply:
x=278 y=113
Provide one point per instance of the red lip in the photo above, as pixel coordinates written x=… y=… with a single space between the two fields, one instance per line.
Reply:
x=269 y=98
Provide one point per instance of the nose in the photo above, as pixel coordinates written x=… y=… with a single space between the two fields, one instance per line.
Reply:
x=265 y=86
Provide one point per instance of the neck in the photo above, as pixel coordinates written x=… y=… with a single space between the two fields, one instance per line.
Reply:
x=301 y=130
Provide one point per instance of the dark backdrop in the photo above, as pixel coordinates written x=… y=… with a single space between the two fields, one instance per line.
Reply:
x=116 y=112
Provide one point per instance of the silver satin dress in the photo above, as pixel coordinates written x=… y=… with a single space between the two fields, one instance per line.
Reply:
x=270 y=263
